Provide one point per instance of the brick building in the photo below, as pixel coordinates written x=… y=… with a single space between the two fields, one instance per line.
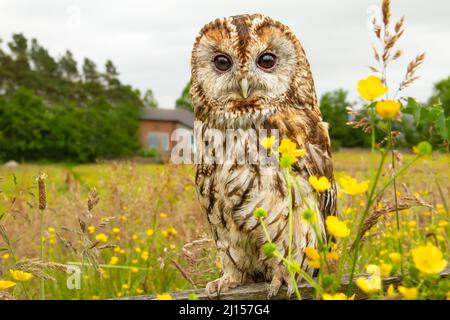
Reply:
x=157 y=126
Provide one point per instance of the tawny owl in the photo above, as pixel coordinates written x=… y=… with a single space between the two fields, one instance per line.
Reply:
x=250 y=72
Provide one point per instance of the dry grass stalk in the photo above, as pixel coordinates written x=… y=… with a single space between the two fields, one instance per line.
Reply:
x=41 y=191
x=39 y=268
x=410 y=76
x=388 y=207
x=386 y=9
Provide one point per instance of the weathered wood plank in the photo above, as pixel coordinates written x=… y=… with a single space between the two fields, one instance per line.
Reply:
x=258 y=291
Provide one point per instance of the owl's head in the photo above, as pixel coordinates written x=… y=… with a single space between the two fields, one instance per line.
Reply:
x=243 y=64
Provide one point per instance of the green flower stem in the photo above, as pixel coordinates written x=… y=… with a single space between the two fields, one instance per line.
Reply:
x=394 y=183
x=302 y=273
x=294 y=282
x=13 y=254
x=265 y=230
x=361 y=222
x=41 y=245
x=396 y=175
x=373 y=140
x=287 y=178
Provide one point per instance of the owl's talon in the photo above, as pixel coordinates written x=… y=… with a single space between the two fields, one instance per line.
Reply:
x=276 y=283
x=218 y=286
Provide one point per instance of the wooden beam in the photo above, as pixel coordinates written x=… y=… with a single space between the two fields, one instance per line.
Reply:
x=258 y=291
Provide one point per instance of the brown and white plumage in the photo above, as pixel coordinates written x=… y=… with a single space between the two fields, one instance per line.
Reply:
x=248 y=96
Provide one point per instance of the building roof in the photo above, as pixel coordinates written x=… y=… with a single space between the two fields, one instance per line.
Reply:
x=182 y=116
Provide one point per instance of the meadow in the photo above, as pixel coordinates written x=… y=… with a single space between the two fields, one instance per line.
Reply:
x=136 y=229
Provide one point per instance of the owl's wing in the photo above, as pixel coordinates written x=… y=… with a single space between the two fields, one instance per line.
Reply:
x=306 y=128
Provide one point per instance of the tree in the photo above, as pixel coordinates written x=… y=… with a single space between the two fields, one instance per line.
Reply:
x=68 y=66
x=333 y=106
x=18 y=64
x=111 y=74
x=90 y=72
x=49 y=112
x=185 y=101
x=441 y=93
x=149 y=99
x=43 y=63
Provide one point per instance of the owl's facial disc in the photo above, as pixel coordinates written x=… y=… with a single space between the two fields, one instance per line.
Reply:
x=246 y=63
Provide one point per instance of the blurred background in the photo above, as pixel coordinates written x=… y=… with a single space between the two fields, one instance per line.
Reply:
x=91 y=91
x=118 y=57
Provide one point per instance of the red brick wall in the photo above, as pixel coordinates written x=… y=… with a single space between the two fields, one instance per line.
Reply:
x=147 y=126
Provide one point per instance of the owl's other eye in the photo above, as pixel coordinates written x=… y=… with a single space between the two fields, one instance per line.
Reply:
x=266 y=61
x=222 y=62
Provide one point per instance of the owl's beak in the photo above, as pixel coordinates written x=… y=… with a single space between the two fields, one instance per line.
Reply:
x=244 y=88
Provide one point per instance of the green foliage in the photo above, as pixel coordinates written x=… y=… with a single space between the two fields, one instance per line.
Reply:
x=149 y=99
x=149 y=153
x=441 y=95
x=419 y=122
x=185 y=101
x=49 y=111
x=333 y=106
x=431 y=121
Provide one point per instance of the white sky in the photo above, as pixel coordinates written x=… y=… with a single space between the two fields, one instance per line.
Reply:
x=150 y=41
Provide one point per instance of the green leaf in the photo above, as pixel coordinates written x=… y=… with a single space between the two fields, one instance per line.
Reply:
x=410 y=107
x=424 y=148
x=442 y=126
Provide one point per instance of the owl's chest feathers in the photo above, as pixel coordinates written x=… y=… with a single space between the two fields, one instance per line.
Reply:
x=231 y=193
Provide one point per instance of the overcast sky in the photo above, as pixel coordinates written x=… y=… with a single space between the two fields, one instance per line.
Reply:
x=150 y=41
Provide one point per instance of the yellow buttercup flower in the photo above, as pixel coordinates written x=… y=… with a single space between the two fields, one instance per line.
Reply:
x=6 y=256
x=139 y=291
x=319 y=184
x=369 y=285
x=388 y=109
x=337 y=228
x=385 y=270
x=311 y=253
x=371 y=88
x=428 y=259
x=337 y=296
x=20 y=275
x=144 y=255
x=164 y=296
x=150 y=232
x=101 y=237
x=313 y=256
x=116 y=230
x=134 y=269
x=113 y=260
x=350 y=186
x=163 y=215
x=268 y=142
x=408 y=293
x=373 y=283
x=91 y=229
x=391 y=291
x=289 y=148
x=51 y=230
x=395 y=257
x=6 y=284
x=332 y=256
x=443 y=224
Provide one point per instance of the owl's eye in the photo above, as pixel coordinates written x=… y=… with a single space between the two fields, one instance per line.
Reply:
x=222 y=62
x=267 y=61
